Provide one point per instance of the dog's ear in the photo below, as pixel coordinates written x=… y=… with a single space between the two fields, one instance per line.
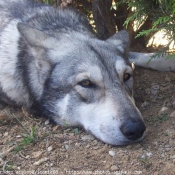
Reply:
x=120 y=40
x=39 y=64
x=35 y=37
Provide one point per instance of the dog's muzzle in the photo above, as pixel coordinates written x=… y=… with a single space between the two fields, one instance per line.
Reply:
x=133 y=131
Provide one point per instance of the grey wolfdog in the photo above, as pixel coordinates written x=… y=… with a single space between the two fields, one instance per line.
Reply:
x=52 y=62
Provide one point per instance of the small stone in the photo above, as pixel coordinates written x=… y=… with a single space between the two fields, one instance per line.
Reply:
x=164 y=84
x=114 y=168
x=172 y=157
x=167 y=146
x=18 y=136
x=163 y=110
x=6 y=134
x=167 y=79
x=46 y=122
x=142 y=156
x=129 y=147
x=155 y=143
x=50 y=148
x=167 y=149
x=55 y=128
x=156 y=173
x=27 y=157
x=144 y=104
x=67 y=147
x=137 y=146
x=87 y=146
x=112 y=153
x=154 y=91
x=37 y=154
x=149 y=154
x=147 y=90
x=172 y=114
x=156 y=86
x=39 y=162
x=87 y=137
x=162 y=155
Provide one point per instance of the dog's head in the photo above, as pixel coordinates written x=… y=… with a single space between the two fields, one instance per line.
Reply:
x=80 y=80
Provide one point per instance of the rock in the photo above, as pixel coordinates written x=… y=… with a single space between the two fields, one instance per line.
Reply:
x=114 y=168
x=112 y=153
x=87 y=137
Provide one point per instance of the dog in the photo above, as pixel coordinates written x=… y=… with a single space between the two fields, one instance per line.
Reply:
x=152 y=61
x=53 y=63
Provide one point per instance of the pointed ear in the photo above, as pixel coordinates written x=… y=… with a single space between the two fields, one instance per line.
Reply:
x=38 y=61
x=120 y=40
x=35 y=37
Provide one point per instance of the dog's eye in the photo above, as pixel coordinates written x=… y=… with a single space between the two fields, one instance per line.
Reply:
x=85 y=83
x=126 y=77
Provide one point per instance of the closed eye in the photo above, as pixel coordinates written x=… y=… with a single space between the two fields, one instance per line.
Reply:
x=126 y=76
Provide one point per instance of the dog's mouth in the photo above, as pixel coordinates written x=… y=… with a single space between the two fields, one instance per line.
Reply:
x=119 y=140
x=129 y=142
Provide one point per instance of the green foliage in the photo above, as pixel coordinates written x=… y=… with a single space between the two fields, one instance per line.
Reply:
x=51 y=2
x=163 y=117
x=161 y=13
x=28 y=139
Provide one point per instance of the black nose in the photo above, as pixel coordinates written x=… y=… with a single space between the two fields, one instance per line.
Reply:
x=133 y=131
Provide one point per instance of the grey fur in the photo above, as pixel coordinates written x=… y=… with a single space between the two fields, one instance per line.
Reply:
x=48 y=55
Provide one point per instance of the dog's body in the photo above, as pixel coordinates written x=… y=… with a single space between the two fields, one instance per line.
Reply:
x=52 y=62
x=149 y=60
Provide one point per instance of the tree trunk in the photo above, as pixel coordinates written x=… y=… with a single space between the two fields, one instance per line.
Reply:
x=104 y=18
x=121 y=15
x=142 y=40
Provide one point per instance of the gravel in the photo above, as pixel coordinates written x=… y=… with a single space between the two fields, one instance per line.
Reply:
x=63 y=151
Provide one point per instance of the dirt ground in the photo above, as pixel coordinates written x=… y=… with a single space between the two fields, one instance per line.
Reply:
x=31 y=145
